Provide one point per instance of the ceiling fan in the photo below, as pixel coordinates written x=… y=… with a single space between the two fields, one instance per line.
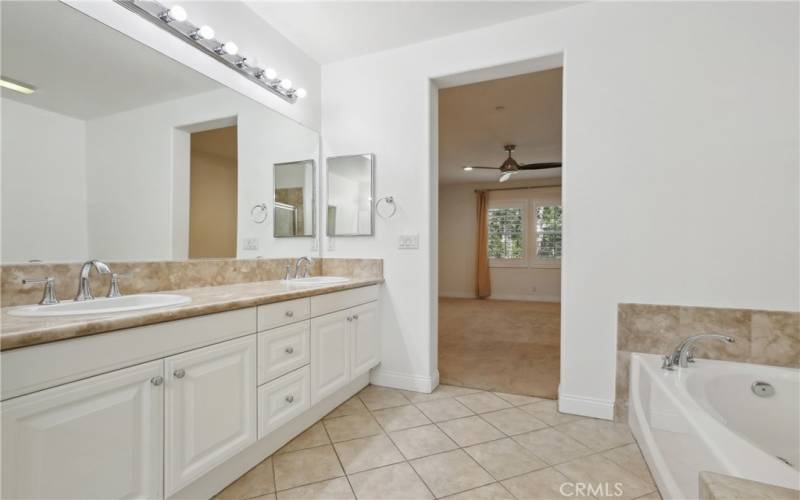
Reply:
x=511 y=167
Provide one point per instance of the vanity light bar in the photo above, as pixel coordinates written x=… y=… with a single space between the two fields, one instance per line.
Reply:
x=174 y=20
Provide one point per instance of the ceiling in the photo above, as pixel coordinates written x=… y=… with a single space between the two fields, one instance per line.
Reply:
x=82 y=68
x=333 y=30
x=476 y=120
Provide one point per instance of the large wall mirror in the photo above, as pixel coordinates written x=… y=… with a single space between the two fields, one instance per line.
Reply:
x=351 y=189
x=294 y=199
x=121 y=153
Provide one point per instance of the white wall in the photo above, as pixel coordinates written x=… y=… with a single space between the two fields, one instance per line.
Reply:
x=680 y=177
x=458 y=238
x=231 y=20
x=43 y=220
x=138 y=180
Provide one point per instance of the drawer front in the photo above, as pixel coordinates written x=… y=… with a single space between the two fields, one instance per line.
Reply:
x=331 y=302
x=282 y=350
x=282 y=313
x=282 y=399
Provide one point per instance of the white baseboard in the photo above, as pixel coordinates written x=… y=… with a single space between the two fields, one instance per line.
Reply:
x=531 y=297
x=456 y=295
x=408 y=382
x=528 y=297
x=587 y=407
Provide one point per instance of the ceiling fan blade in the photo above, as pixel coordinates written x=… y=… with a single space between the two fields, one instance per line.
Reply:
x=485 y=168
x=540 y=166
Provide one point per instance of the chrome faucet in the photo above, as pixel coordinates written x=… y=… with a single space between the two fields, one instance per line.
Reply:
x=306 y=261
x=84 y=288
x=682 y=354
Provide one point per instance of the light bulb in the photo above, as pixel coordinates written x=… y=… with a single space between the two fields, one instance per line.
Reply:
x=301 y=93
x=467 y=169
x=505 y=176
x=286 y=84
x=270 y=74
x=205 y=32
x=177 y=13
x=230 y=48
x=251 y=62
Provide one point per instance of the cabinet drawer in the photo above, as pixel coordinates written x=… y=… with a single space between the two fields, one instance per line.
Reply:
x=331 y=302
x=282 y=399
x=282 y=313
x=282 y=350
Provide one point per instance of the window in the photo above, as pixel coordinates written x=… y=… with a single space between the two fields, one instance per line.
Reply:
x=506 y=234
x=548 y=232
x=525 y=232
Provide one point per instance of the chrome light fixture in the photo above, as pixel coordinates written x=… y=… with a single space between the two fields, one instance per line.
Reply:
x=175 y=21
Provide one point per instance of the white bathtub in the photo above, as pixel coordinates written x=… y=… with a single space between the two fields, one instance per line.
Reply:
x=706 y=418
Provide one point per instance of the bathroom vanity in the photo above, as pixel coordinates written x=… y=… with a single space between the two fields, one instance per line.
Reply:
x=178 y=407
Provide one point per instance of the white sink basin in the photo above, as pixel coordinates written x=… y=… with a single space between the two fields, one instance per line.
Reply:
x=103 y=305
x=317 y=281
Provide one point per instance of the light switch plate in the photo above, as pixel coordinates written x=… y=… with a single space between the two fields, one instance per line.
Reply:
x=408 y=241
x=251 y=244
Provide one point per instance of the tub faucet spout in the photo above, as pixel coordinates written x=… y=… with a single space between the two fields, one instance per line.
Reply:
x=682 y=354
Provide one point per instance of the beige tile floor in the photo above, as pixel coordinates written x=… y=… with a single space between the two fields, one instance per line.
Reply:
x=455 y=443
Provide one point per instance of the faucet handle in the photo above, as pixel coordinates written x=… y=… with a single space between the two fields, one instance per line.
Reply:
x=113 y=289
x=49 y=295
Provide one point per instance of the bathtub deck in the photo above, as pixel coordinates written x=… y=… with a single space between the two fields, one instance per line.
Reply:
x=721 y=487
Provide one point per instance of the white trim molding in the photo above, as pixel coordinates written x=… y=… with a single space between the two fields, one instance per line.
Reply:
x=586 y=406
x=408 y=382
x=529 y=297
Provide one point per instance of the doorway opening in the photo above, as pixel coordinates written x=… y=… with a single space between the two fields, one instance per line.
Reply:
x=499 y=231
x=213 y=193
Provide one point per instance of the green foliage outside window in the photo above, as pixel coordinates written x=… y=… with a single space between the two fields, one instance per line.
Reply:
x=548 y=232
x=505 y=233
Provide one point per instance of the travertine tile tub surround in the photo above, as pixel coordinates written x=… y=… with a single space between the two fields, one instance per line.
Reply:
x=168 y=275
x=762 y=337
x=721 y=487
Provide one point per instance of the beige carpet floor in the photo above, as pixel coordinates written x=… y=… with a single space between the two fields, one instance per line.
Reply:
x=500 y=345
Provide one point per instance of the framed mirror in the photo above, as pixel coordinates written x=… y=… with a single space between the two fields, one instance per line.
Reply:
x=293 y=214
x=351 y=189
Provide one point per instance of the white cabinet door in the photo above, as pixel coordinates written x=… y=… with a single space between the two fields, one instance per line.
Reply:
x=101 y=437
x=365 y=341
x=210 y=408
x=330 y=354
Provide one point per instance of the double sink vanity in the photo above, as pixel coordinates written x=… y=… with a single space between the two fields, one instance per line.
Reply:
x=199 y=348
x=176 y=400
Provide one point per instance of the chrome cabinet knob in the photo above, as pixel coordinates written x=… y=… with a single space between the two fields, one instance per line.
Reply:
x=289 y=350
x=289 y=398
x=349 y=318
x=289 y=314
x=157 y=380
x=355 y=316
x=179 y=373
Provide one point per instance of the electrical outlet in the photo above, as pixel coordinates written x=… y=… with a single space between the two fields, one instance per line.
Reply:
x=251 y=244
x=408 y=241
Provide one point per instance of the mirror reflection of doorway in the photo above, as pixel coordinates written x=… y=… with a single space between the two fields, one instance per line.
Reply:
x=213 y=193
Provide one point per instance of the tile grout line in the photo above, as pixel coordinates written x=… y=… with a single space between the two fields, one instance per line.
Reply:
x=405 y=459
x=339 y=459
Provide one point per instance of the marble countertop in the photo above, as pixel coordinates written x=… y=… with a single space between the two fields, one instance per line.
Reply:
x=17 y=331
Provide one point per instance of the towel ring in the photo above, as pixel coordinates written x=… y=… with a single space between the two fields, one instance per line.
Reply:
x=259 y=213
x=389 y=201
